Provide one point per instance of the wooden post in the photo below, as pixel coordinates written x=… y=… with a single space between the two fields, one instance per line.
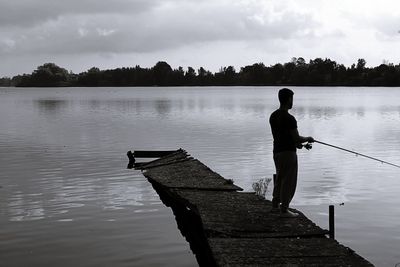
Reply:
x=332 y=221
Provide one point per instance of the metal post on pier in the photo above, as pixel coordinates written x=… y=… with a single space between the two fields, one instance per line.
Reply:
x=332 y=221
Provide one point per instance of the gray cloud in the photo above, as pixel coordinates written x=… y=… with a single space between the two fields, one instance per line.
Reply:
x=24 y=13
x=388 y=26
x=160 y=27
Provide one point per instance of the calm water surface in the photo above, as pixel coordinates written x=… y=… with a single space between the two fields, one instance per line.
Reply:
x=67 y=199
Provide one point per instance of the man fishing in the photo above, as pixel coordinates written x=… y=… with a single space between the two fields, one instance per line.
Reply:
x=286 y=141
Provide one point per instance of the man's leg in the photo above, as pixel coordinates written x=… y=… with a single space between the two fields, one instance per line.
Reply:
x=292 y=182
x=276 y=194
x=288 y=178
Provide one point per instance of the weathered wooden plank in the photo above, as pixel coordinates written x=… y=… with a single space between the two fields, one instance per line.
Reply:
x=161 y=156
x=283 y=252
x=157 y=165
x=152 y=153
x=177 y=156
x=190 y=174
x=244 y=215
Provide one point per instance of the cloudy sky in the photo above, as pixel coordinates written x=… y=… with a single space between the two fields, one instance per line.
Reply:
x=79 y=34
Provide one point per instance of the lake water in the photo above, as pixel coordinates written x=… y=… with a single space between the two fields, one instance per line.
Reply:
x=67 y=199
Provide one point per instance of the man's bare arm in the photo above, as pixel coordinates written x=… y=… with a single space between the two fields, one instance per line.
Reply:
x=298 y=139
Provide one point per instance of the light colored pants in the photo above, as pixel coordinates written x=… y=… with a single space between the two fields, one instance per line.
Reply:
x=286 y=178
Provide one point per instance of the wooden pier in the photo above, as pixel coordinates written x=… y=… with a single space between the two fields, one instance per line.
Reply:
x=226 y=227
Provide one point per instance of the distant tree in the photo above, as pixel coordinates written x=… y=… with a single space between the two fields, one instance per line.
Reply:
x=20 y=80
x=288 y=69
x=388 y=75
x=317 y=72
x=321 y=72
x=5 y=82
x=162 y=71
x=178 y=77
x=256 y=74
x=300 y=61
x=361 y=64
x=190 y=76
x=46 y=75
x=226 y=76
x=50 y=74
x=204 y=77
x=142 y=76
x=277 y=72
x=296 y=71
x=91 y=77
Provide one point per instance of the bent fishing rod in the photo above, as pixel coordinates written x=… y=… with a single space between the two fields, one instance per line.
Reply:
x=357 y=154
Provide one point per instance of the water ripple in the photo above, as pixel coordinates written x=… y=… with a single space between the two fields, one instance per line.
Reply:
x=63 y=165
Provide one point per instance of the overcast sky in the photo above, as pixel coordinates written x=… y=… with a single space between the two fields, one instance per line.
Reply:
x=79 y=34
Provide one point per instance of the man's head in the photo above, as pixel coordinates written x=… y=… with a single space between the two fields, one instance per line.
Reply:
x=285 y=96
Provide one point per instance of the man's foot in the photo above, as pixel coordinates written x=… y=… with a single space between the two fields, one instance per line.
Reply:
x=288 y=214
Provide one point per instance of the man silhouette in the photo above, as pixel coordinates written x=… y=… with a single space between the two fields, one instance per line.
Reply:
x=286 y=141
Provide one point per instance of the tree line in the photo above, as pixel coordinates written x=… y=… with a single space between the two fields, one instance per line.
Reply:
x=316 y=72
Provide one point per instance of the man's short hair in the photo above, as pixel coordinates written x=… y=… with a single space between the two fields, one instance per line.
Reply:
x=284 y=95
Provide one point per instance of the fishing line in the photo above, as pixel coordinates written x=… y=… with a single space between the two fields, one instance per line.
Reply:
x=357 y=154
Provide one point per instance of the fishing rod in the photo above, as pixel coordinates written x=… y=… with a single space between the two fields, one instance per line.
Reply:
x=356 y=153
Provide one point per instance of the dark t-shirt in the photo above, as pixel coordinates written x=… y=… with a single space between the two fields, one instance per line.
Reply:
x=281 y=124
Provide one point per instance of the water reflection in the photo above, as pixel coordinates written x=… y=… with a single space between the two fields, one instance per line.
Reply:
x=73 y=169
x=51 y=105
x=244 y=118
x=59 y=183
x=57 y=199
x=22 y=209
x=257 y=109
x=360 y=111
x=120 y=106
x=189 y=224
x=162 y=106
x=388 y=111
x=95 y=104
x=324 y=113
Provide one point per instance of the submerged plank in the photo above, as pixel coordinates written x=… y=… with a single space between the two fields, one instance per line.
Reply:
x=177 y=156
